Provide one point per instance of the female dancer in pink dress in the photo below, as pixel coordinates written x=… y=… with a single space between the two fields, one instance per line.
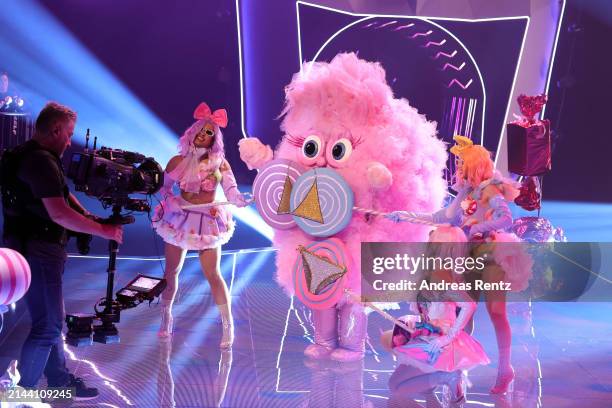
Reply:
x=436 y=349
x=481 y=209
x=190 y=220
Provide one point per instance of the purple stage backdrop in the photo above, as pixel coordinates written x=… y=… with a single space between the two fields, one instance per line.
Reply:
x=173 y=55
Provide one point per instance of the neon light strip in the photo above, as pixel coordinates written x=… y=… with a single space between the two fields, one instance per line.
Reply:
x=443 y=54
x=437 y=44
x=554 y=53
x=449 y=65
x=467 y=119
x=473 y=103
x=456 y=81
x=402 y=27
x=387 y=24
x=415 y=35
x=429 y=19
x=242 y=128
x=468 y=20
x=160 y=258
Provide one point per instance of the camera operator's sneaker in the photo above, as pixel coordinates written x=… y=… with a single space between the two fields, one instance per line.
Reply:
x=82 y=391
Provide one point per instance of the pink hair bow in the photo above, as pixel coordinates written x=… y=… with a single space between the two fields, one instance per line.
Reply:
x=219 y=117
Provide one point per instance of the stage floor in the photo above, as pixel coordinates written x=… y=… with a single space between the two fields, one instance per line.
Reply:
x=561 y=352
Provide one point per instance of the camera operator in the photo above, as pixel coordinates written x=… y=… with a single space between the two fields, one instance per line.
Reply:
x=38 y=209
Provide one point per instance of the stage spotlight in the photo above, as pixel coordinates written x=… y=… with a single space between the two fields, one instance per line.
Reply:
x=46 y=62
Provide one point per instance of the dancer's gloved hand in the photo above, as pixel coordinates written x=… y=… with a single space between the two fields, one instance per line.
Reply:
x=438 y=343
x=396 y=216
x=500 y=218
x=241 y=199
x=233 y=195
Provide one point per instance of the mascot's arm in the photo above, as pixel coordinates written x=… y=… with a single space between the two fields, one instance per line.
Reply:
x=379 y=176
x=254 y=153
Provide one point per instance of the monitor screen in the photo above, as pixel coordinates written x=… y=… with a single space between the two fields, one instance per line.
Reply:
x=145 y=283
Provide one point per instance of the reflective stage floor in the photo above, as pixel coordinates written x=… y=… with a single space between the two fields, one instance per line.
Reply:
x=562 y=353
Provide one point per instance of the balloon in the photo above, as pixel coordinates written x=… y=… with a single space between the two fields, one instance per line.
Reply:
x=537 y=229
x=15 y=276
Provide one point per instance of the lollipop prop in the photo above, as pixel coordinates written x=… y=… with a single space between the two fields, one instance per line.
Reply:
x=319 y=201
x=320 y=273
x=378 y=310
x=15 y=276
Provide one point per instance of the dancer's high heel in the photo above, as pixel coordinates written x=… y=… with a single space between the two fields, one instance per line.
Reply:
x=456 y=387
x=166 y=326
x=227 y=338
x=504 y=382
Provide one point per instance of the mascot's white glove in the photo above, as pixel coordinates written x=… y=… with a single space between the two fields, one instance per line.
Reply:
x=254 y=153
x=379 y=176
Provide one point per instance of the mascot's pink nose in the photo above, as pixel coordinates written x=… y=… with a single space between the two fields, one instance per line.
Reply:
x=321 y=162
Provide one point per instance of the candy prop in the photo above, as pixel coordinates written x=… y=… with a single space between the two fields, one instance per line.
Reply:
x=272 y=190
x=321 y=202
x=319 y=273
x=15 y=276
x=529 y=142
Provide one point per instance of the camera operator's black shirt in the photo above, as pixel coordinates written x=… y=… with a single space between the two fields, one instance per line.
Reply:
x=41 y=170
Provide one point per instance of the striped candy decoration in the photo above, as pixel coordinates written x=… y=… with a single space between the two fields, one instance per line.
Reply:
x=15 y=276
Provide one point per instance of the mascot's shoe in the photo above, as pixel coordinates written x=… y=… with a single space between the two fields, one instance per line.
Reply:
x=352 y=326
x=342 y=355
x=325 y=326
x=318 y=351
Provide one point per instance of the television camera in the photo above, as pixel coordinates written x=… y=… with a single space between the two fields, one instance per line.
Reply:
x=111 y=176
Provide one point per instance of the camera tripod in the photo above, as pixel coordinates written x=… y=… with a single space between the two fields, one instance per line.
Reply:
x=107 y=332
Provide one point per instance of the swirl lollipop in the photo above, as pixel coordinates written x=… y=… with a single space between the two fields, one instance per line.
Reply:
x=271 y=190
x=321 y=202
x=320 y=272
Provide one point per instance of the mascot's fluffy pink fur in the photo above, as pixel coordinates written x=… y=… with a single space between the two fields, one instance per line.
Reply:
x=395 y=161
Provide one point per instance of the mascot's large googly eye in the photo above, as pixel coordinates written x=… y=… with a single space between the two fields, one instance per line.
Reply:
x=340 y=152
x=312 y=147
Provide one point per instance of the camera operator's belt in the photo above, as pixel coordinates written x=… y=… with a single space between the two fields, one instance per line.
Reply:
x=34 y=228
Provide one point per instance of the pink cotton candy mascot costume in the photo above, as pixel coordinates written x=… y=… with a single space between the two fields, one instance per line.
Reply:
x=342 y=115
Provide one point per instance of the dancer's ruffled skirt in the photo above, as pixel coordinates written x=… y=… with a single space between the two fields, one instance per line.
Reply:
x=195 y=229
x=463 y=353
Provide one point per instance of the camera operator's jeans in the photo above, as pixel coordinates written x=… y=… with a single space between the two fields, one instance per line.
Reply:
x=43 y=350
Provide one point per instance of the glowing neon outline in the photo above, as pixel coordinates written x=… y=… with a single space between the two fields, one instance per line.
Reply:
x=442 y=53
x=429 y=20
x=464 y=87
x=551 y=62
x=437 y=44
x=484 y=92
x=516 y=69
x=448 y=64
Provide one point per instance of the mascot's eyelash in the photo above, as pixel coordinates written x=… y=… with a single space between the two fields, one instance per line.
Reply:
x=296 y=141
x=355 y=141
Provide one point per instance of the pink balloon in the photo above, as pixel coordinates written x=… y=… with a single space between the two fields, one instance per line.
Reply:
x=15 y=276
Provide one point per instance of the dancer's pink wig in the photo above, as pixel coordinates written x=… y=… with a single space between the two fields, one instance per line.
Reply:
x=204 y=115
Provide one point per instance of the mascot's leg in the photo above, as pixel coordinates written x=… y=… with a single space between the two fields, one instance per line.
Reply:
x=352 y=330
x=325 y=333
